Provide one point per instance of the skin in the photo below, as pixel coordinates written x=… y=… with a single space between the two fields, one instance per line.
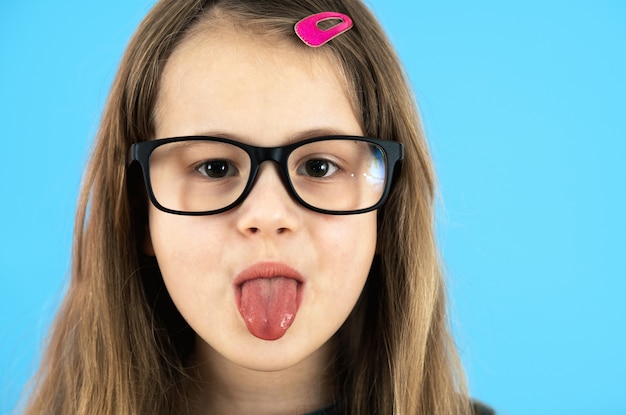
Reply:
x=231 y=84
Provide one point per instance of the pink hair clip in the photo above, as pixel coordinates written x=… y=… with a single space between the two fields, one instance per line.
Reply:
x=308 y=30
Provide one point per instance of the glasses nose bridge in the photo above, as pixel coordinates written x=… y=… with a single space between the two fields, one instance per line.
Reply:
x=278 y=155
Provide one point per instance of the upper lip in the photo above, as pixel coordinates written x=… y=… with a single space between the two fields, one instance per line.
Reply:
x=267 y=270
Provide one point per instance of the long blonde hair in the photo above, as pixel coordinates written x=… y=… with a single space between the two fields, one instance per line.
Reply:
x=118 y=345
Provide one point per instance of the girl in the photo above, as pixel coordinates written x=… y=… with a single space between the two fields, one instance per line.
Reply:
x=255 y=231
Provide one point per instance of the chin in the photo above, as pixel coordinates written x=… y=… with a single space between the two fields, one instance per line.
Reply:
x=260 y=355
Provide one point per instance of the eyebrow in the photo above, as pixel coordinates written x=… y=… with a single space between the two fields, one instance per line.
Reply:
x=315 y=132
x=293 y=138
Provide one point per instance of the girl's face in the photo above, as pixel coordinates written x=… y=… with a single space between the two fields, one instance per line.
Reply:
x=264 y=93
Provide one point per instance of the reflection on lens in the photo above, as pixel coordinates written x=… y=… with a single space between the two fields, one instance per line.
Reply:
x=376 y=172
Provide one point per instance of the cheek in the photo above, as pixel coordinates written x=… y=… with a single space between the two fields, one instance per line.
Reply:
x=346 y=246
x=348 y=238
x=175 y=237
x=186 y=252
x=190 y=252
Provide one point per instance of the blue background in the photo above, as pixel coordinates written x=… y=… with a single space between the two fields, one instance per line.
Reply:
x=524 y=104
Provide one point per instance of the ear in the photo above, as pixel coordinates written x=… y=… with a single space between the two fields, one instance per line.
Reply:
x=146 y=246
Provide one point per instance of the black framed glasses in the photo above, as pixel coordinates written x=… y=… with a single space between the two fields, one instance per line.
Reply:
x=201 y=175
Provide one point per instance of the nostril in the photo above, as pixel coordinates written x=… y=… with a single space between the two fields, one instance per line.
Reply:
x=257 y=230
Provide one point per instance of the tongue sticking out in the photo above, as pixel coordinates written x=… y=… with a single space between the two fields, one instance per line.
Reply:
x=268 y=306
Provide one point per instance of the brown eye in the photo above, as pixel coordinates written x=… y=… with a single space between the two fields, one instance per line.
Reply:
x=217 y=169
x=319 y=168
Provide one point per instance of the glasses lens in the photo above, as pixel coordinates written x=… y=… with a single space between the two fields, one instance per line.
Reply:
x=198 y=176
x=338 y=175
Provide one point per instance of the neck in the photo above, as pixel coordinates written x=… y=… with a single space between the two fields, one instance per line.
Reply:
x=228 y=389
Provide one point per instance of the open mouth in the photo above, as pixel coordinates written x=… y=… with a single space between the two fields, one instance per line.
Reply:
x=268 y=297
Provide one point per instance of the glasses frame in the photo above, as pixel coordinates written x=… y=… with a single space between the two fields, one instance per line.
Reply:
x=140 y=152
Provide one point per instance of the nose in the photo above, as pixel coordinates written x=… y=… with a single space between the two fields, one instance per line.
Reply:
x=269 y=209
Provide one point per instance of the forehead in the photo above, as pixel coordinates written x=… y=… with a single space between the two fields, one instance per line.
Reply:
x=221 y=41
x=221 y=71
